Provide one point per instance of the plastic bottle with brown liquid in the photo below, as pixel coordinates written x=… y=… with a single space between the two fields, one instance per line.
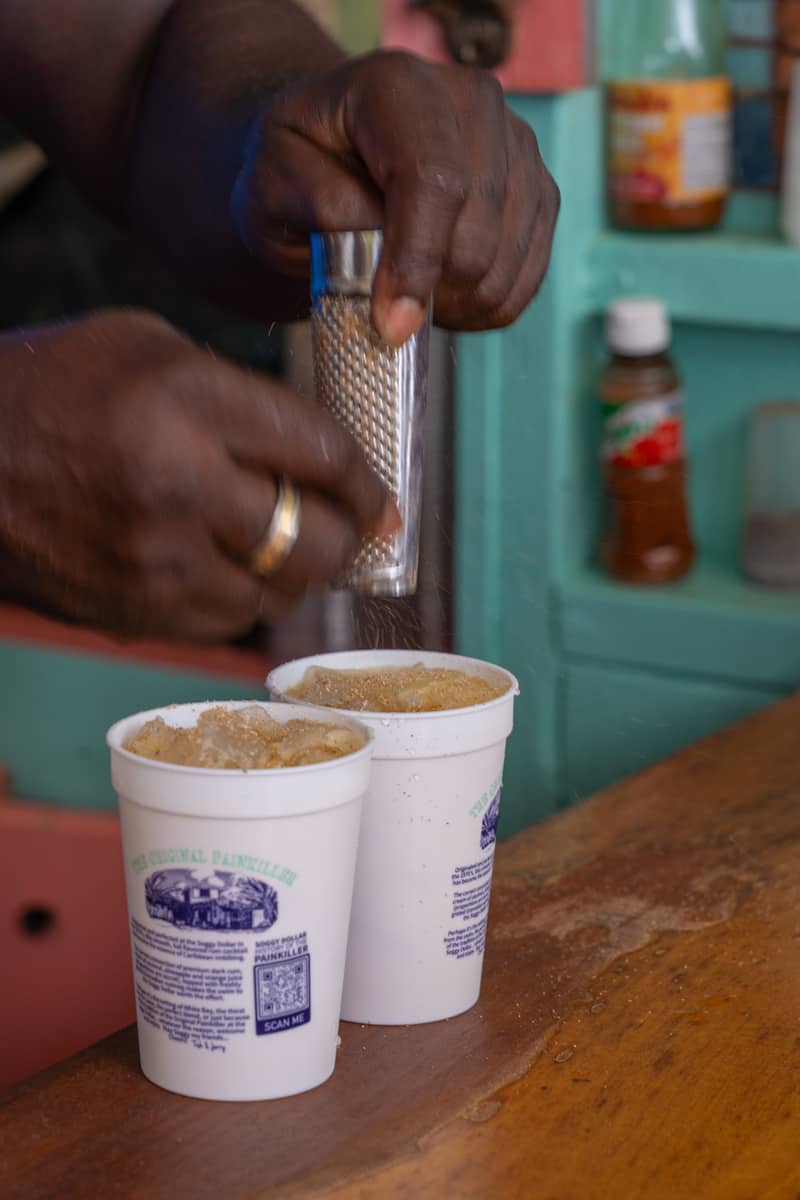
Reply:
x=647 y=537
x=669 y=115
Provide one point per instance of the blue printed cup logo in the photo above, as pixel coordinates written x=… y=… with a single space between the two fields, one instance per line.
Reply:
x=489 y=822
x=222 y=901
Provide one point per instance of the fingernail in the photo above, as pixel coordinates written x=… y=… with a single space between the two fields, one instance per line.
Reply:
x=401 y=318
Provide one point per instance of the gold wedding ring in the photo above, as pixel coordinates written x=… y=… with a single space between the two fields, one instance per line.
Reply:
x=282 y=532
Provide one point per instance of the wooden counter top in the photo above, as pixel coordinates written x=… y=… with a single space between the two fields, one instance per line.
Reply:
x=638 y=1033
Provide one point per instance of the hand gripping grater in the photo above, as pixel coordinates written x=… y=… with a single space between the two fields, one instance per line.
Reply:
x=377 y=392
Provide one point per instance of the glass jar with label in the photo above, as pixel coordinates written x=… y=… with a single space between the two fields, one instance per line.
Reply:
x=647 y=537
x=669 y=111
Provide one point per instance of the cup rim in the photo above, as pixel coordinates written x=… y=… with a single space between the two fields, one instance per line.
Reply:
x=511 y=693
x=115 y=733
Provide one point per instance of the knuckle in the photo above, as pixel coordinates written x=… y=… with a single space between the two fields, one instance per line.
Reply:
x=447 y=180
x=554 y=193
x=472 y=254
x=486 y=93
x=503 y=316
x=152 y=477
x=490 y=191
x=524 y=136
x=394 y=71
x=186 y=372
x=144 y=339
x=329 y=196
x=492 y=90
x=517 y=300
x=128 y=322
x=416 y=269
x=148 y=324
x=528 y=155
x=128 y=439
x=395 y=67
x=491 y=294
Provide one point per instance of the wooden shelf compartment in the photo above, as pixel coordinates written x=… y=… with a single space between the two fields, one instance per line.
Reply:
x=715 y=624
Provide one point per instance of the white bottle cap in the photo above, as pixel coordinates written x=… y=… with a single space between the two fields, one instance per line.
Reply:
x=638 y=327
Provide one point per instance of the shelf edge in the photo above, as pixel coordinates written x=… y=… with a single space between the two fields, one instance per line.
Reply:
x=679 y=632
x=714 y=279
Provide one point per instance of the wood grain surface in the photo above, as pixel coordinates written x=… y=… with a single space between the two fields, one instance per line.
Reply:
x=638 y=1034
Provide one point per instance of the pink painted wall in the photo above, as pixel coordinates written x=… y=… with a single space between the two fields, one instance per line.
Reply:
x=69 y=984
x=553 y=43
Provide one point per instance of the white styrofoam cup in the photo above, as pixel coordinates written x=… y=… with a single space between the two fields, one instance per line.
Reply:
x=239 y=888
x=428 y=831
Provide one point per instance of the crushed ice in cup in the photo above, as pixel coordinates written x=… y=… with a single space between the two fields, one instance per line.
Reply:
x=245 y=739
x=417 y=688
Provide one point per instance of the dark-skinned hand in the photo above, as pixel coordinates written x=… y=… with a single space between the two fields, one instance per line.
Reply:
x=137 y=475
x=431 y=153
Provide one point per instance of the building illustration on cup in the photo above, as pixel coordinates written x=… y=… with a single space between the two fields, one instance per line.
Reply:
x=489 y=822
x=223 y=901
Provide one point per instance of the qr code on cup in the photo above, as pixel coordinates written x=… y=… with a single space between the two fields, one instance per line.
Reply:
x=283 y=994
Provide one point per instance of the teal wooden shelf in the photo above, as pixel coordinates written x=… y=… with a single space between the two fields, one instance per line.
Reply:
x=713 y=624
x=722 y=278
x=613 y=678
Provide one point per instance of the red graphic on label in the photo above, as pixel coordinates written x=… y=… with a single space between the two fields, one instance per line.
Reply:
x=663 y=445
x=646 y=434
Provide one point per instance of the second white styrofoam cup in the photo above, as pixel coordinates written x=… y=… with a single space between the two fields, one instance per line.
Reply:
x=428 y=832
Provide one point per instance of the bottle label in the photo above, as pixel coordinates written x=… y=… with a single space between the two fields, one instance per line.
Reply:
x=670 y=140
x=646 y=433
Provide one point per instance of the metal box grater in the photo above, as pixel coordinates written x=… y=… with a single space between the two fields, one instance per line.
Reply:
x=377 y=392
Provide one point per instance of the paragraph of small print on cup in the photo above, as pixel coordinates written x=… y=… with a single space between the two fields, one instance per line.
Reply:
x=428 y=832
x=239 y=886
